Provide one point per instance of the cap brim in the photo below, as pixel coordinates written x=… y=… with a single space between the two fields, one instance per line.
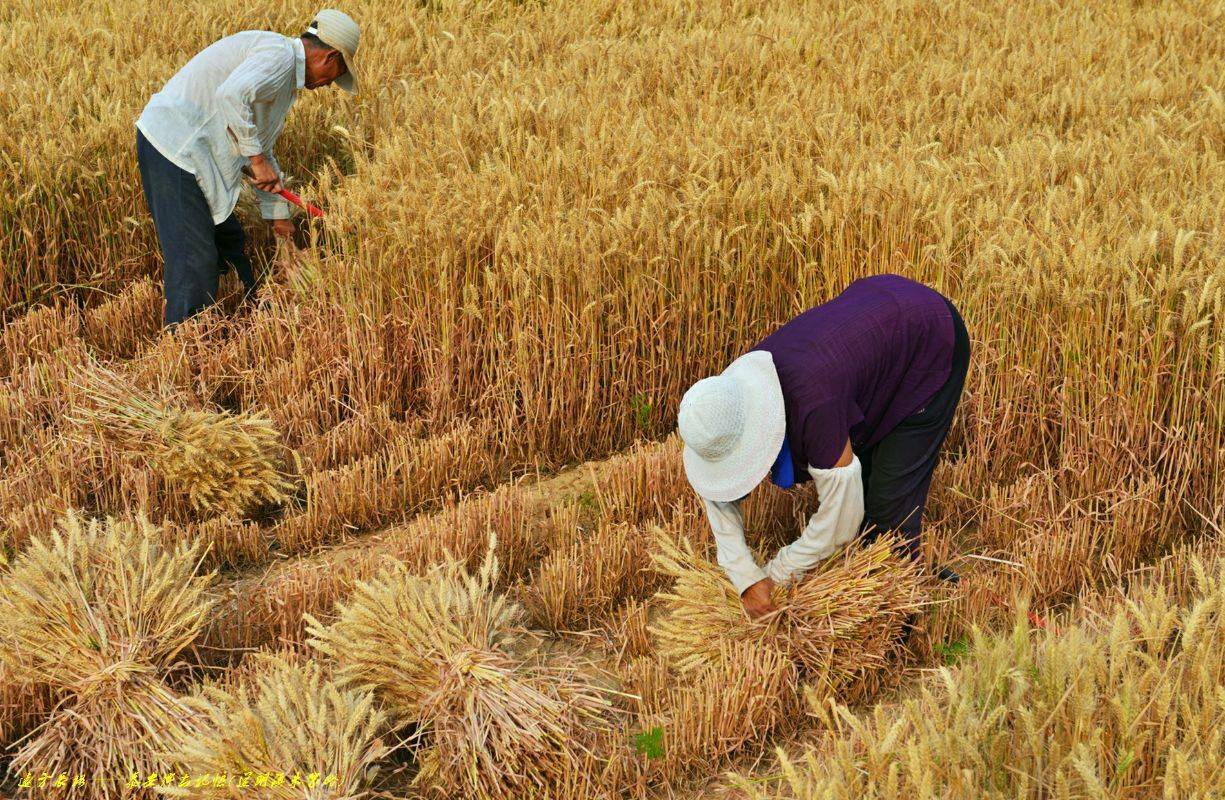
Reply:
x=347 y=81
x=737 y=473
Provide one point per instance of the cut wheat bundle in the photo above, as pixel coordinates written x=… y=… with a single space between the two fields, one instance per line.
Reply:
x=223 y=463
x=286 y=715
x=750 y=693
x=499 y=727
x=115 y=728
x=439 y=649
x=99 y=612
x=398 y=629
x=839 y=623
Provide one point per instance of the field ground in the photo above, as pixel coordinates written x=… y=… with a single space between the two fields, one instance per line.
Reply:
x=545 y=221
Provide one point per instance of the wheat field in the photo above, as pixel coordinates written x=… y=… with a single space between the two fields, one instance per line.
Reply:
x=414 y=525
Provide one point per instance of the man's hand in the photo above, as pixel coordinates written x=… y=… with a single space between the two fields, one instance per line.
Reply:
x=756 y=599
x=263 y=175
x=283 y=228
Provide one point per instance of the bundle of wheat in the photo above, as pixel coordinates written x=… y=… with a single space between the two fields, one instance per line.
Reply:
x=839 y=623
x=287 y=715
x=99 y=613
x=501 y=728
x=222 y=463
x=737 y=702
x=437 y=647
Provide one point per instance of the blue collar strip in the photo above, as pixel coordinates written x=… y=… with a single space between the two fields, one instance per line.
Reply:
x=782 y=473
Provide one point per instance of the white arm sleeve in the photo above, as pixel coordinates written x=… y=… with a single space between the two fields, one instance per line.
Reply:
x=256 y=78
x=837 y=521
x=272 y=206
x=727 y=521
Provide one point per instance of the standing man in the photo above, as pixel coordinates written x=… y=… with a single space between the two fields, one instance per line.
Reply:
x=218 y=116
x=856 y=394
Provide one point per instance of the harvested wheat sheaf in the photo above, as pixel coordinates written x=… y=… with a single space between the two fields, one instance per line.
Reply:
x=287 y=715
x=98 y=613
x=737 y=702
x=223 y=463
x=438 y=648
x=839 y=623
x=398 y=629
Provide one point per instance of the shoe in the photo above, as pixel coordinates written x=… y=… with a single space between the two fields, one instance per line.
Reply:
x=946 y=574
x=907 y=628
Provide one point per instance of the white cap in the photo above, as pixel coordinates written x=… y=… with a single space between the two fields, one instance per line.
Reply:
x=338 y=30
x=732 y=425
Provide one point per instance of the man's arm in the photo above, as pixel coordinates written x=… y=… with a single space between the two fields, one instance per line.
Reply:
x=272 y=206
x=257 y=79
x=837 y=521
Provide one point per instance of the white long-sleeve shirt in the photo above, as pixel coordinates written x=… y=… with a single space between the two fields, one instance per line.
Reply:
x=836 y=522
x=225 y=105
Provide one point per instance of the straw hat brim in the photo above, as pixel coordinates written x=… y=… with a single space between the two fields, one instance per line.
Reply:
x=734 y=475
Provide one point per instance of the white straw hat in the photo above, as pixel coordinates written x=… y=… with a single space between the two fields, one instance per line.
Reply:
x=337 y=29
x=732 y=425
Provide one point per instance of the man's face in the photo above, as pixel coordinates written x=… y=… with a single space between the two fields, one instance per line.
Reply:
x=323 y=67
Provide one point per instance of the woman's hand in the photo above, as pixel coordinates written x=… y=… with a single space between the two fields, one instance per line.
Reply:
x=756 y=599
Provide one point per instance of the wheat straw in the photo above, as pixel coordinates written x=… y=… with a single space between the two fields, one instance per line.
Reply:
x=840 y=623
x=287 y=716
x=99 y=611
x=222 y=463
x=438 y=647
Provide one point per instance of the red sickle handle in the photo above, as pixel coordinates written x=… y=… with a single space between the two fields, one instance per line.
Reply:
x=1034 y=619
x=314 y=211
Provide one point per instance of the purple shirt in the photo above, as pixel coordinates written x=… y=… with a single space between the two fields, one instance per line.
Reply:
x=859 y=364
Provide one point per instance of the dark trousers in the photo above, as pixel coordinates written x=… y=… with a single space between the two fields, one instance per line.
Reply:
x=195 y=252
x=897 y=470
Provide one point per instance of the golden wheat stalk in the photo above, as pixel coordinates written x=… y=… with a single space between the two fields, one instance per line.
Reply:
x=223 y=463
x=99 y=612
x=286 y=715
x=839 y=622
x=499 y=728
x=437 y=648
